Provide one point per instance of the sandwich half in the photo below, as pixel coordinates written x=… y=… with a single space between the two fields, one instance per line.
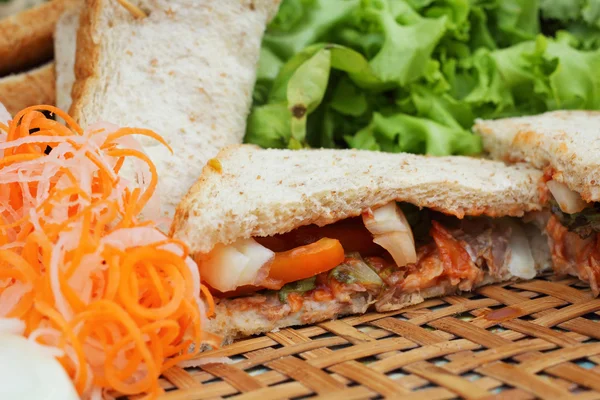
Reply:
x=287 y=238
x=26 y=49
x=566 y=146
x=184 y=69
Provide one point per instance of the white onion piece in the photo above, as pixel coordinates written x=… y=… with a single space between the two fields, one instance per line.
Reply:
x=569 y=201
x=521 y=263
x=391 y=230
x=226 y=268
x=29 y=373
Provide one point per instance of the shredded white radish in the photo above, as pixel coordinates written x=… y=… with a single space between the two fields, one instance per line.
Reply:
x=75 y=227
x=11 y=325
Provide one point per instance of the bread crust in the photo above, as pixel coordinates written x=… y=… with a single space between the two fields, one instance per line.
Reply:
x=87 y=56
x=566 y=141
x=65 y=48
x=267 y=192
x=26 y=38
x=28 y=89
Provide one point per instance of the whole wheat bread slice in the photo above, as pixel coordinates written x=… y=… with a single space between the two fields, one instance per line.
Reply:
x=26 y=38
x=267 y=192
x=65 y=47
x=567 y=141
x=186 y=71
x=30 y=88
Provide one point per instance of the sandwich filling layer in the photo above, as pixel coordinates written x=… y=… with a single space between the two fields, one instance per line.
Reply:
x=318 y=273
x=572 y=227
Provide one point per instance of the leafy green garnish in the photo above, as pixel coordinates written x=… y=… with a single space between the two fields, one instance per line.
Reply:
x=585 y=223
x=355 y=270
x=412 y=75
x=297 y=287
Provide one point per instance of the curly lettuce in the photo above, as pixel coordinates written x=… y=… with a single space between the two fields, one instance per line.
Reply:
x=412 y=75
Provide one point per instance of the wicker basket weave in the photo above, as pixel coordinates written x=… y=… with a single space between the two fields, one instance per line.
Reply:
x=535 y=339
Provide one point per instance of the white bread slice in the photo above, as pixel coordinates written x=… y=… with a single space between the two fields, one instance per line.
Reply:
x=26 y=38
x=65 y=47
x=185 y=71
x=567 y=141
x=267 y=192
x=30 y=88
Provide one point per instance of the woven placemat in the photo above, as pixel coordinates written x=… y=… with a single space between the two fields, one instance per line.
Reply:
x=535 y=339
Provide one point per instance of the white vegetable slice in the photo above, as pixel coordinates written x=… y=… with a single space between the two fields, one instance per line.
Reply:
x=521 y=263
x=569 y=201
x=26 y=372
x=226 y=268
x=391 y=230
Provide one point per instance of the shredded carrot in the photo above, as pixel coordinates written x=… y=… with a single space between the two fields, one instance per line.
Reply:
x=209 y=300
x=121 y=297
x=133 y=9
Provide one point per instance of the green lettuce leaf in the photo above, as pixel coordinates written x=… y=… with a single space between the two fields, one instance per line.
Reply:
x=412 y=75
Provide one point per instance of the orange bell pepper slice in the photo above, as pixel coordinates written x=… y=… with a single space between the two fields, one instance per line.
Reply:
x=306 y=261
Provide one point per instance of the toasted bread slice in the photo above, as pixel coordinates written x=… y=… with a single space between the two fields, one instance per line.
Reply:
x=566 y=141
x=26 y=38
x=256 y=192
x=185 y=71
x=65 y=47
x=30 y=88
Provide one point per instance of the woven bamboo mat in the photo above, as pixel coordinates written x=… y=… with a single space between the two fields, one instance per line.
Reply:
x=536 y=339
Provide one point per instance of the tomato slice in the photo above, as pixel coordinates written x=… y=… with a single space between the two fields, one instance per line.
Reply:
x=351 y=233
x=456 y=259
x=306 y=261
x=240 y=291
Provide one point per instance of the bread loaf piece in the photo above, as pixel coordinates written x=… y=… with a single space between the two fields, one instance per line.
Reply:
x=30 y=88
x=255 y=192
x=186 y=71
x=26 y=37
x=566 y=141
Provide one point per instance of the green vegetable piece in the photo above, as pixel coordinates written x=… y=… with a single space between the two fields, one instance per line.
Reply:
x=517 y=21
x=363 y=140
x=348 y=99
x=591 y=12
x=406 y=48
x=268 y=65
x=280 y=85
x=575 y=82
x=355 y=270
x=401 y=132
x=268 y=69
x=306 y=89
x=441 y=108
x=318 y=17
x=584 y=223
x=269 y=126
x=357 y=67
x=302 y=286
x=563 y=10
